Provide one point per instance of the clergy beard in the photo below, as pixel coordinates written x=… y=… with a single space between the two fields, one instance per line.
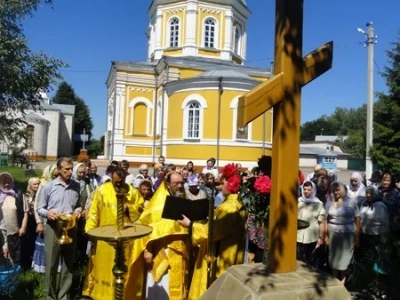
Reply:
x=177 y=194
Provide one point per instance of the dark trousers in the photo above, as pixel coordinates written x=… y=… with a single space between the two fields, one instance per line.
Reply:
x=53 y=253
x=14 y=247
x=258 y=252
x=28 y=243
x=82 y=241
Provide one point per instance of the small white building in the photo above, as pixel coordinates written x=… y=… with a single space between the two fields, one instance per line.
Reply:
x=48 y=130
x=313 y=152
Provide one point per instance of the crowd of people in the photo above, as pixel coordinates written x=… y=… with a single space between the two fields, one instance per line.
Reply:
x=351 y=222
x=171 y=263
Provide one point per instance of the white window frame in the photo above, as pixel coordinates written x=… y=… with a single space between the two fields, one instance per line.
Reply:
x=194 y=98
x=131 y=114
x=330 y=160
x=158 y=118
x=215 y=46
x=234 y=106
x=170 y=34
x=237 y=47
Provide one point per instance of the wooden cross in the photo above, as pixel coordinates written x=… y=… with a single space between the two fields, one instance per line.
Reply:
x=282 y=92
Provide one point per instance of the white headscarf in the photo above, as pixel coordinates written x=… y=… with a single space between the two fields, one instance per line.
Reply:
x=75 y=171
x=313 y=198
x=137 y=181
x=359 y=190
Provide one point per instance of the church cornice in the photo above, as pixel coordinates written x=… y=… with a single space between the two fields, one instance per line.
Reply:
x=212 y=11
x=223 y=4
x=37 y=121
x=201 y=83
x=174 y=10
x=140 y=89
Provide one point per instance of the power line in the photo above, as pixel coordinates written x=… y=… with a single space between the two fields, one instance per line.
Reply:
x=377 y=66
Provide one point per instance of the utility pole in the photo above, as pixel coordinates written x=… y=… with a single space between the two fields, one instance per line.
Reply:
x=369 y=43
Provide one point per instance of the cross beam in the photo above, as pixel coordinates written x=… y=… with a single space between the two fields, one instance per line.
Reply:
x=283 y=93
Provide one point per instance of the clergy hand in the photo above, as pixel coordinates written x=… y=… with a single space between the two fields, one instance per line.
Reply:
x=185 y=222
x=148 y=258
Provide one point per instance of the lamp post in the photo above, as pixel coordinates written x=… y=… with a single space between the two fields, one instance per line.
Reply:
x=369 y=43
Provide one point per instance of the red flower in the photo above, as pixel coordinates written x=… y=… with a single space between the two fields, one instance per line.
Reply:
x=263 y=185
x=229 y=170
x=234 y=184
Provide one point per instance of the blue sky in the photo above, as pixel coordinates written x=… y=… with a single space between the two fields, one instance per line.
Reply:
x=89 y=34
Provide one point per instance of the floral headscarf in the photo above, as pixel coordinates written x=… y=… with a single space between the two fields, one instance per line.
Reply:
x=5 y=193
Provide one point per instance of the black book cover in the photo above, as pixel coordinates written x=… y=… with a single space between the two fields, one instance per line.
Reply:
x=195 y=210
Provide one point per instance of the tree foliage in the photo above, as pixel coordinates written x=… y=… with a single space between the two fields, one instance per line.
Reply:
x=23 y=74
x=65 y=94
x=348 y=124
x=95 y=148
x=386 y=149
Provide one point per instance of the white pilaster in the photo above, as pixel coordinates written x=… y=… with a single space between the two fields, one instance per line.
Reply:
x=119 y=111
x=228 y=30
x=110 y=112
x=158 y=29
x=243 y=43
x=164 y=130
x=191 y=24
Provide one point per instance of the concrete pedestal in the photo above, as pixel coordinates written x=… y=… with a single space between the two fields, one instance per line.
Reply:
x=251 y=282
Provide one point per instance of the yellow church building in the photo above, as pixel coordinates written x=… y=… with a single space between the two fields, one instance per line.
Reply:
x=182 y=102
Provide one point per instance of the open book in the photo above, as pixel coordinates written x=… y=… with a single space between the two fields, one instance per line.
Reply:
x=195 y=210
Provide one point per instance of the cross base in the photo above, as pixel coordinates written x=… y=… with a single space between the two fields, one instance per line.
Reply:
x=251 y=281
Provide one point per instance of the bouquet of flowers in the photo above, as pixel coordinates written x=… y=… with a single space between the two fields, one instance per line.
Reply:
x=256 y=195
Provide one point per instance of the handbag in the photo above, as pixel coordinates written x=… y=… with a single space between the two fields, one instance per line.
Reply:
x=351 y=270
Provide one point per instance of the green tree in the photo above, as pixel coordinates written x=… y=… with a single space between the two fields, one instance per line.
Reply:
x=102 y=138
x=320 y=126
x=23 y=74
x=94 y=148
x=386 y=148
x=65 y=94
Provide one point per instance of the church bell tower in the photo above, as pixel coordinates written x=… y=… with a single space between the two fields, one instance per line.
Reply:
x=205 y=28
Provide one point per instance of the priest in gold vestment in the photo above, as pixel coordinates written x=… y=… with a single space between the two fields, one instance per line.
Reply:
x=99 y=283
x=229 y=234
x=159 y=267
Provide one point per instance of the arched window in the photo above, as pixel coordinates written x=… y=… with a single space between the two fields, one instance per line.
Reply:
x=193 y=107
x=237 y=40
x=239 y=133
x=30 y=134
x=210 y=33
x=139 y=116
x=174 y=32
x=193 y=120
